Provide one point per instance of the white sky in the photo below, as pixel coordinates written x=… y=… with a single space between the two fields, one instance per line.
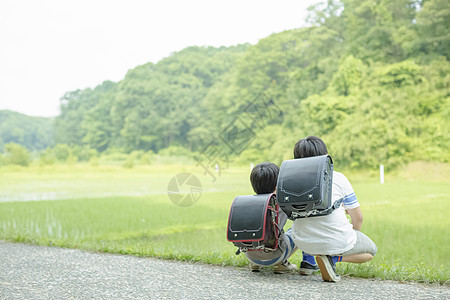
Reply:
x=51 y=47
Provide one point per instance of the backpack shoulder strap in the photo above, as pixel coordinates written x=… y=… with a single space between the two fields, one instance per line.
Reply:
x=335 y=206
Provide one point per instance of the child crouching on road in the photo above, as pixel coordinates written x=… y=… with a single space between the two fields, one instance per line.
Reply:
x=264 y=178
x=332 y=238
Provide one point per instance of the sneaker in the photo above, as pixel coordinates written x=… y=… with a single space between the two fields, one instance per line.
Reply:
x=327 y=268
x=254 y=267
x=284 y=267
x=308 y=269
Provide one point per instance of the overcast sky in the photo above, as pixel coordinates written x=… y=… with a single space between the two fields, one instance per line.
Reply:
x=51 y=47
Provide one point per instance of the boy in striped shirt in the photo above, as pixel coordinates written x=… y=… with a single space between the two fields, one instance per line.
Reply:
x=332 y=238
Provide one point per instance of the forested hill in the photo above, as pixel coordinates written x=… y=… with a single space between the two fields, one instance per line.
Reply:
x=153 y=107
x=369 y=77
x=34 y=133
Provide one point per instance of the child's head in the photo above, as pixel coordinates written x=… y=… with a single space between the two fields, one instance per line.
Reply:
x=310 y=146
x=264 y=177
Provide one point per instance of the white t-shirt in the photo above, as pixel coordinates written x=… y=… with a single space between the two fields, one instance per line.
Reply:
x=332 y=234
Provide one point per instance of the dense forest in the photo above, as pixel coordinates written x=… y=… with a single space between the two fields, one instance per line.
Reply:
x=371 y=78
x=35 y=133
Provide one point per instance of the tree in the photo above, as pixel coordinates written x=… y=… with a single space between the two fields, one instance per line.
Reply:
x=370 y=28
x=34 y=133
x=349 y=76
x=433 y=28
x=62 y=152
x=16 y=155
x=370 y=77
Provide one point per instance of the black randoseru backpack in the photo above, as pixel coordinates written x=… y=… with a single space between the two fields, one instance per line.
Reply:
x=304 y=187
x=253 y=223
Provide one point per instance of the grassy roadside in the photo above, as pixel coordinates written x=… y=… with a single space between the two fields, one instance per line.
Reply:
x=405 y=217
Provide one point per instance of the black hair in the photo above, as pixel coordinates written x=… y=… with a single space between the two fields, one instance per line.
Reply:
x=264 y=177
x=310 y=146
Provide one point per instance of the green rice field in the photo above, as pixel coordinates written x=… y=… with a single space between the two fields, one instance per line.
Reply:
x=128 y=211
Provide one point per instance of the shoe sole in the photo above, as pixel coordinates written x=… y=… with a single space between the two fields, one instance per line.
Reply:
x=307 y=272
x=326 y=269
x=254 y=268
x=283 y=271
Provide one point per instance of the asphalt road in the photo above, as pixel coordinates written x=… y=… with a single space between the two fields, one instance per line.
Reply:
x=33 y=272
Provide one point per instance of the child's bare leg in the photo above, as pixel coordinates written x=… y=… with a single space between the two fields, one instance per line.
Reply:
x=357 y=258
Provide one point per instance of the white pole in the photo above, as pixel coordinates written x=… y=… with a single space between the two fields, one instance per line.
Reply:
x=381 y=174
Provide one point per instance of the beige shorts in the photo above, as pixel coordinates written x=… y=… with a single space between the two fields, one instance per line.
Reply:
x=363 y=245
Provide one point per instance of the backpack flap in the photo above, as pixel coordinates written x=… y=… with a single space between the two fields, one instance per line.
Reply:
x=247 y=218
x=304 y=185
x=248 y=222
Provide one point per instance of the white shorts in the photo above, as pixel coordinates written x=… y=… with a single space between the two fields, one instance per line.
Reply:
x=363 y=245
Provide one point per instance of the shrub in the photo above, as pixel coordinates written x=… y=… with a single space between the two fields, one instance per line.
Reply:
x=175 y=151
x=62 y=152
x=16 y=154
x=84 y=153
x=129 y=163
x=46 y=157
x=147 y=158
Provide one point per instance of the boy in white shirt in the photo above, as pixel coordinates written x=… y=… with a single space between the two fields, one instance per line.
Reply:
x=332 y=238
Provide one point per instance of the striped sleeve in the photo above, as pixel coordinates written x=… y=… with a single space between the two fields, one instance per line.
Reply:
x=350 y=201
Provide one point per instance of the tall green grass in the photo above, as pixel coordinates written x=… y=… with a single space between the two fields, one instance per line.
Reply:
x=406 y=217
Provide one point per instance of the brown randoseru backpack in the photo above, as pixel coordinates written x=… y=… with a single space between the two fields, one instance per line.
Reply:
x=253 y=223
x=304 y=187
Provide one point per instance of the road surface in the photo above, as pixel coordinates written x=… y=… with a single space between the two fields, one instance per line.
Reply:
x=34 y=272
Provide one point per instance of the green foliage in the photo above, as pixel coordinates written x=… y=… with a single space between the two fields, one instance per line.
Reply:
x=83 y=153
x=138 y=157
x=64 y=153
x=147 y=158
x=369 y=77
x=175 y=151
x=377 y=125
x=16 y=154
x=401 y=74
x=94 y=161
x=129 y=163
x=349 y=76
x=113 y=157
x=371 y=27
x=433 y=28
x=152 y=108
x=46 y=157
x=249 y=156
x=34 y=133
